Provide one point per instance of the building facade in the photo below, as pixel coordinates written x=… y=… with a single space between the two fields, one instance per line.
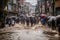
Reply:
x=46 y=6
x=12 y=7
x=27 y=7
x=15 y=6
x=57 y=6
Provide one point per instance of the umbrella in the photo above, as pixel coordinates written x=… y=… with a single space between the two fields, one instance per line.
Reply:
x=22 y=15
x=49 y=17
x=57 y=16
x=43 y=15
x=52 y=17
x=12 y=16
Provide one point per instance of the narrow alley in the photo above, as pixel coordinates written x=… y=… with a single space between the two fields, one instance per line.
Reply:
x=29 y=19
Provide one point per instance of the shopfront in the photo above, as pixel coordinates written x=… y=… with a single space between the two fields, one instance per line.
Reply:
x=57 y=6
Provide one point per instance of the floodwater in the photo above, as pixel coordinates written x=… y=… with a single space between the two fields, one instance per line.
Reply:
x=26 y=35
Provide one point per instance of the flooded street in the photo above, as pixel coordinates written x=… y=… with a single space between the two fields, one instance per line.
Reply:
x=29 y=19
x=26 y=34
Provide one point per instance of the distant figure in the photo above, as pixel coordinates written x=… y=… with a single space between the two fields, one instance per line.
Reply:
x=27 y=21
x=12 y=22
x=34 y=20
x=31 y=21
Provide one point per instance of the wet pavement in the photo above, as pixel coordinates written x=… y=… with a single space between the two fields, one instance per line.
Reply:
x=18 y=32
x=26 y=34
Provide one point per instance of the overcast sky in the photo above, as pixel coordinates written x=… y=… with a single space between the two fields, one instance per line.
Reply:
x=33 y=2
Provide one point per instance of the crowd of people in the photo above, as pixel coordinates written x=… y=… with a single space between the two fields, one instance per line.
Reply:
x=52 y=21
x=29 y=21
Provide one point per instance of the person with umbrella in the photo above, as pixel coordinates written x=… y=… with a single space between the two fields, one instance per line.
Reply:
x=27 y=19
x=43 y=18
x=58 y=23
x=52 y=21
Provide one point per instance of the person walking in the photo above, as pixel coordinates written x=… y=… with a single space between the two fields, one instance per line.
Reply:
x=58 y=23
x=52 y=21
x=43 y=19
x=31 y=21
x=27 y=21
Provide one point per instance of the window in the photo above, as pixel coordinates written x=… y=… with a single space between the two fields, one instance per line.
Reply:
x=14 y=1
x=9 y=7
x=10 y=1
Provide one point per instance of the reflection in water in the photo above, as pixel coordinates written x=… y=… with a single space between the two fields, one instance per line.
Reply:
x=53 y=38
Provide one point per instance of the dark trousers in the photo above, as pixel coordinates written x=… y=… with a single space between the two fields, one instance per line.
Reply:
x=27 y=22
x=53 y=24
x=59 y=29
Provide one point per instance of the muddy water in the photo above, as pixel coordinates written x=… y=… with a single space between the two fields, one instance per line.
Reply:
x=26 y=35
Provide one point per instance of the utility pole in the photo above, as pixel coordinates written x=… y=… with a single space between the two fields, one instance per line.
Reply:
x=18 y=8
x=46 y=6
x=54 y=13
